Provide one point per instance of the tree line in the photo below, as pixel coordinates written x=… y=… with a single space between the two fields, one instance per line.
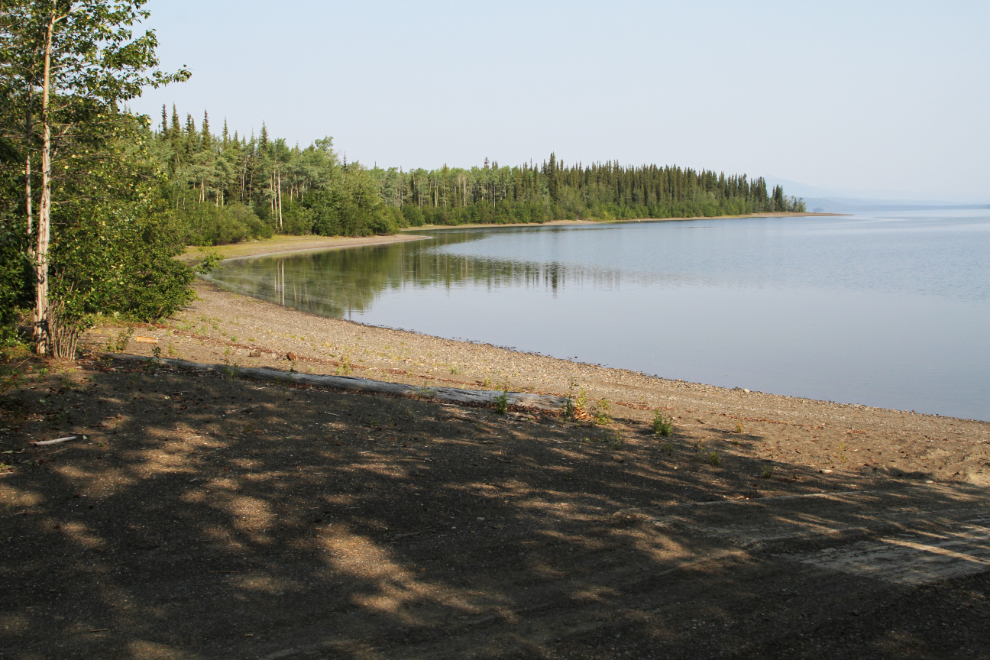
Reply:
x=271 y=187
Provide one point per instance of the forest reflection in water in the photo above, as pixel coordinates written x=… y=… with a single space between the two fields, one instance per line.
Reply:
x=339 y=283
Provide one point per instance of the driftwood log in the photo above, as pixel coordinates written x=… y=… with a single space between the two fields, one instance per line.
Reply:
x=453 y=394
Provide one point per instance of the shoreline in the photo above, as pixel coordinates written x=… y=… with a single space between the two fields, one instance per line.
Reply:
x=311 y=243
x=787 y=214
x=290 y=245
x=304 y=244
x=226 y=328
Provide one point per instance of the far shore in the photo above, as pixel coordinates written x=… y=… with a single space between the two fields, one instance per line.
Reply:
x=795 y=214
x=312 y=243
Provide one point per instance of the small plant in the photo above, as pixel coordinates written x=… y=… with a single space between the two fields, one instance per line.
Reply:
x=616 y=440
x=228 y=372
x=739 y=428
x=713 y=458
x=842 y=452
x=157 y=352
x=766 y=472
x=502 y=403
x=487 y=383
x=602 y=412
x=662 y=425
x=120 y=344
x=346 y=367
x=667 y=447
x=454 y=369
x=574 y=408
x=170 y=350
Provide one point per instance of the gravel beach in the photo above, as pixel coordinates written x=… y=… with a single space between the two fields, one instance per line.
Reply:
x=157 y=509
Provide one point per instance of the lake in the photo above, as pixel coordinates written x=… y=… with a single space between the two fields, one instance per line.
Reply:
x=886 y=309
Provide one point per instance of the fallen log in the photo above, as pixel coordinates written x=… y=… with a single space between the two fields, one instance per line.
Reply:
x=352 y=383
x=41 y=443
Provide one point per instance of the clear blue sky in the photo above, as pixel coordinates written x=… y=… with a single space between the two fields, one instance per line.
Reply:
x=890 y=96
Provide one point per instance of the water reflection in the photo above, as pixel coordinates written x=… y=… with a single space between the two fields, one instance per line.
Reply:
x=340 y=283
x=882 y=311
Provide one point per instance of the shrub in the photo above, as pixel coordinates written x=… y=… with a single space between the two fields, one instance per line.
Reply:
x=662 y=425
x=208 y=224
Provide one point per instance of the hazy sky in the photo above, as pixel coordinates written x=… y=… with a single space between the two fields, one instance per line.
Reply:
x=881 y=96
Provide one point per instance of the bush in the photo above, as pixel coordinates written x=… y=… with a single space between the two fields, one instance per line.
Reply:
x=412 y=215
x=297 y=219
x=208 y=224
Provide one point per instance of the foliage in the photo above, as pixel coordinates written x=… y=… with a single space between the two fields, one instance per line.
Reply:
x=210 y=261
x=662 y=425
x=113 y=247
x=16 y=271
x=575 y=403
x=208 y=224
x=502 y=400
x=603 y=412
x=65 y=66
x=298 y=191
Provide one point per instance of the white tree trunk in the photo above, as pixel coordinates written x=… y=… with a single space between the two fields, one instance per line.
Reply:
x=45 y=208
x=279 y=193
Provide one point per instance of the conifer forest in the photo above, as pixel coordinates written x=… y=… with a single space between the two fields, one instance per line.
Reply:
x=224 y=187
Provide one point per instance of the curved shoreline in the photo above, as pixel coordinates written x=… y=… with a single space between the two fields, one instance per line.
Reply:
x=311 y=243
x=301 y=245
x=225 y=328
x=291 y=245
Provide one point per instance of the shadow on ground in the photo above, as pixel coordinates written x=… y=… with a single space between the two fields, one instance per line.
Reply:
x=204 y=517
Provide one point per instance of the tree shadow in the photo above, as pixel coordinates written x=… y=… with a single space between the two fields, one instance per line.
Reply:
x=211 y=517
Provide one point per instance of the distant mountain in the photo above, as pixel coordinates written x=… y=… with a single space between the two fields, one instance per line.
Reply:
x=825 y=200
x=850 y=205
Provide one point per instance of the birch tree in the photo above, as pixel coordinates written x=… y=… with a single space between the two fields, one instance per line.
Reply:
x=79 y=59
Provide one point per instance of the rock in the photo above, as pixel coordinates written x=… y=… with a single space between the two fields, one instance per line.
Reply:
x=291 y=357
x=255 y=353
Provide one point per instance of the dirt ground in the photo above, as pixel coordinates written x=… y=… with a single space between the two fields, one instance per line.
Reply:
x=199 y=514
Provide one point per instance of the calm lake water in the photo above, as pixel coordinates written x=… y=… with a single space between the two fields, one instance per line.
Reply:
x=889 y=310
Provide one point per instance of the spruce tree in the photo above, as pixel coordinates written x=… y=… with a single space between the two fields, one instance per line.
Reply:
x=205 y=138
x=176 y=128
